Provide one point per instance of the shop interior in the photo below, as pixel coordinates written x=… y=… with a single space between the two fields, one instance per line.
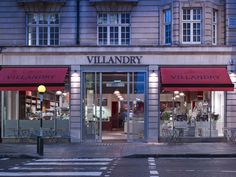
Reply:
x=192 y=113
x=22 y=112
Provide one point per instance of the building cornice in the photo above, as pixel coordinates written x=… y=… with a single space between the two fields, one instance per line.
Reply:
x=119 y=50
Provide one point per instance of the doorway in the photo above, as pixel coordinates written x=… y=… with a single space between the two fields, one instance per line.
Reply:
x=113 y=106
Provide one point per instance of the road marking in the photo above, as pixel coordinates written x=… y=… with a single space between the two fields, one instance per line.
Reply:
x=4 y=159
x=25 y=168
x=189 y=170
x=196 y=158
x=151 y=158
x=154 y=172
x=103 y=168
x=5 y=174
x=227 y=171
x=67 y=163
x=75 y=160
x=152 y=167
x=152 y=164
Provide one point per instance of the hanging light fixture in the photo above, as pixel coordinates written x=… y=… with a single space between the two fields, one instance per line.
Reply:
x=116 y=92
x=121 y=99
x=176 y=92
x=181 y=94
x=177 y=96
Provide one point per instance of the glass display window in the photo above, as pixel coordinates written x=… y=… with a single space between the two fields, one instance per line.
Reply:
x=192 y=113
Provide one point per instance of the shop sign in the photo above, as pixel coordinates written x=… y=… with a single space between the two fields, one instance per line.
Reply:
x=121 y=59
x=115 y=84
x=195 y=77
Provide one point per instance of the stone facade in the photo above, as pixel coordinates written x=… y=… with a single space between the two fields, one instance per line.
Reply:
x=78 y=39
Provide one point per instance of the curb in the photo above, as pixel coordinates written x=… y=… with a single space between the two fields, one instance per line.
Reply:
x=181 y=155
x=20 y=156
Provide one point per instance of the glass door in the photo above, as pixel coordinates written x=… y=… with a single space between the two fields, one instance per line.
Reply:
x=102 y=93
x=91 y=107
x=136 y=98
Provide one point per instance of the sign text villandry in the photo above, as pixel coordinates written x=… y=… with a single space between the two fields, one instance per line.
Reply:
x=121 y=59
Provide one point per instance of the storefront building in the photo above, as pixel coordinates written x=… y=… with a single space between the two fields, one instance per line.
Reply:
x=109 y=78
x=85 y=101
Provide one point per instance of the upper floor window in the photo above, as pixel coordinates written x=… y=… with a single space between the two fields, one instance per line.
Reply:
x=42 y=29
x=113 y=28
x=167 y=22
x=214 y=27
x=192 y=25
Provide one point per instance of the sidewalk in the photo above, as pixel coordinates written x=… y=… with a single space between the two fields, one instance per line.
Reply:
x=120 y=150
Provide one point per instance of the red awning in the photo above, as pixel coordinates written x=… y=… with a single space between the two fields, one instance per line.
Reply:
x=196 y=79
x=30 y=78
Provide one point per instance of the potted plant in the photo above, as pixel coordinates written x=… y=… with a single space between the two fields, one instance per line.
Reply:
x=165 y=116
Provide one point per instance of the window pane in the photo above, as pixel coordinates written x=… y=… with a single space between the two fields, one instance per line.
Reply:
x=168 y=34
x=167 y=16
x=46 y=25
x=102 y=18
x=196 y=32
x=102 y=33
x=114 y=39
x=118 y=26
x=214 y=18
x=125 y=37
x=186 y=32
x=186 y=14
x=125 y=18
x=31 y=36
x=114 y=19
x=196 y=14
x=167 y=26
x=43 y=35
x=43 y=19
x=54 y=19
x=32 y=18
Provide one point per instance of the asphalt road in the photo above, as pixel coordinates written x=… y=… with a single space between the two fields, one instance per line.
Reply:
x=197 y=167
x=120 y=167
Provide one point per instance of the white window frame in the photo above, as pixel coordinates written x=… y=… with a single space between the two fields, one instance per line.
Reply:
x=108 y=26
x=37 y=26
x=214 y=26
x=191 y=21
x=167 y=24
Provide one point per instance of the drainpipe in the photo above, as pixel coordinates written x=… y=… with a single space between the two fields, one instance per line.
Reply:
x=78 y=23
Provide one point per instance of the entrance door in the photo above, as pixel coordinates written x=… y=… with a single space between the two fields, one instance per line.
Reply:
x=109 y=97
x=91 y=107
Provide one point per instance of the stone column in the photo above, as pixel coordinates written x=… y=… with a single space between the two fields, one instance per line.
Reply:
x=75 y=118
x=153 y=104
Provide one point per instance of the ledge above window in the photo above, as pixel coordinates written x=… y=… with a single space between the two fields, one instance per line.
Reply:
x=111 y=1
x=42 y=5
x=41 y=1
x=113 y=5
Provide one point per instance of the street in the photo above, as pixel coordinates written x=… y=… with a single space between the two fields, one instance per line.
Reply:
x=120 y=167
